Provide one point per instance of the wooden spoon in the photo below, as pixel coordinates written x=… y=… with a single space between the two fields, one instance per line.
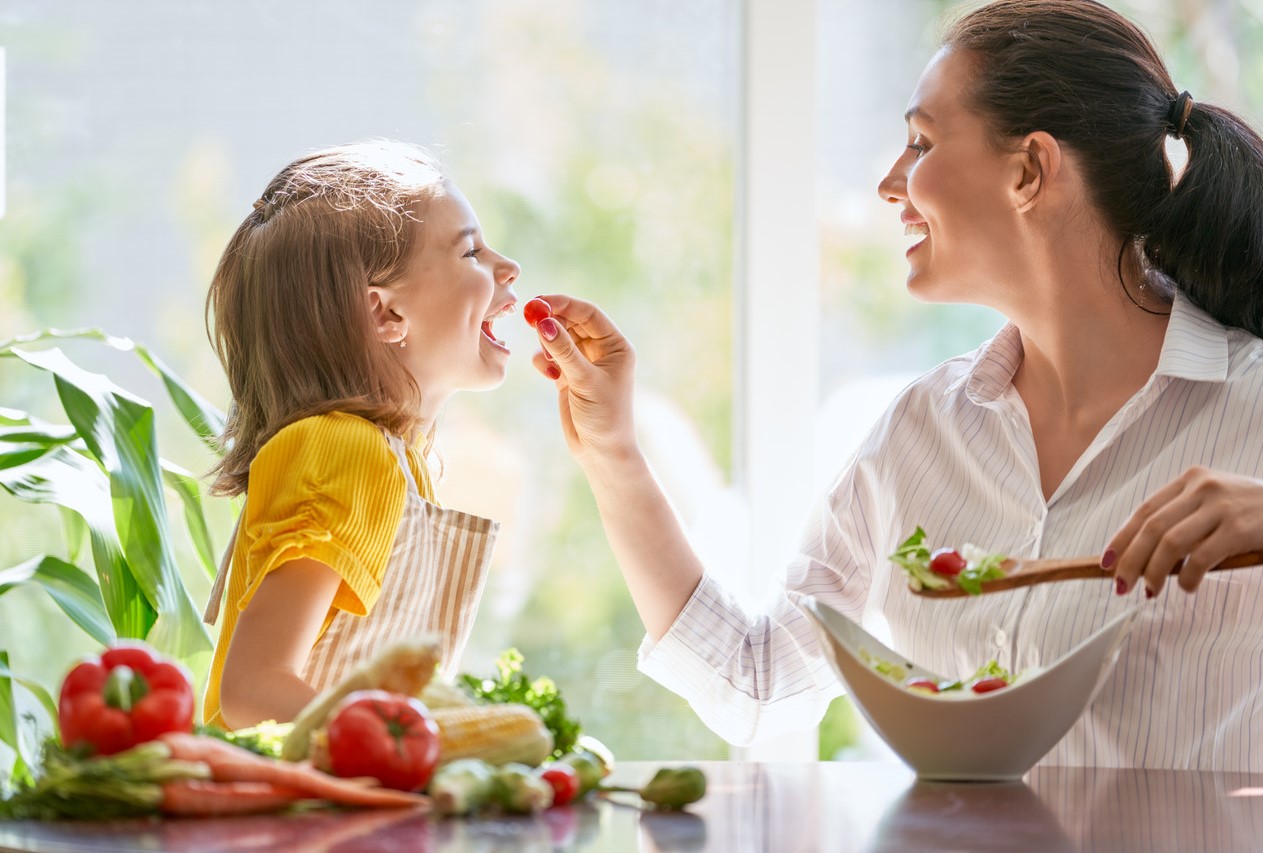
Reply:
x=1021 y=573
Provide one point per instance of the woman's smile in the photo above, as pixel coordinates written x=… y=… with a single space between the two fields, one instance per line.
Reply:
x=914 y=226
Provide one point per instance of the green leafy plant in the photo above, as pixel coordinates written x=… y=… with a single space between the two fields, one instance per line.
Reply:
x=102 y=470
x=515 y=686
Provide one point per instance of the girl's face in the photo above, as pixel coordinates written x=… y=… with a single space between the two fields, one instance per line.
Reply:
x=956 y=192
x=453 y=289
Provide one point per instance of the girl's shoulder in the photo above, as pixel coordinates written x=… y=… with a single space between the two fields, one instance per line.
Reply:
x=331 y=442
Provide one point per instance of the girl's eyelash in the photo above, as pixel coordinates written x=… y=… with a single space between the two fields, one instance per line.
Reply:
x=917 y=147
x=473 y=253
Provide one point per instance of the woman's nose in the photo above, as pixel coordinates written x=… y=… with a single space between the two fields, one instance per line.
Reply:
x=893 y=188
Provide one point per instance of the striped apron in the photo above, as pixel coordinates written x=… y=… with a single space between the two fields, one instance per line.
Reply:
x=433 y=583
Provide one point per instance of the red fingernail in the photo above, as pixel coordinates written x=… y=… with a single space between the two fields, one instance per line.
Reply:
x=547 y=355
x=1120 y=586
x=549 y=329
x=552 y=372
x=1149 y=593
x=1108 y=558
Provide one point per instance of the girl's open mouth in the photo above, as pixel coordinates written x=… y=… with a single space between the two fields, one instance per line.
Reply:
x=489 y=333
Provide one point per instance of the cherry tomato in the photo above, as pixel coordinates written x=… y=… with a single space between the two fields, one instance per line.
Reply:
x=536 y=310
x=388 y=736
x=947 y=561
x=565 y=782
x=921 y=684
x=986 y=685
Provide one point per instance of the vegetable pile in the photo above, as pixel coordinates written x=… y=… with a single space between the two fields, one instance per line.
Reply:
x=967 y=568
x=387 y=736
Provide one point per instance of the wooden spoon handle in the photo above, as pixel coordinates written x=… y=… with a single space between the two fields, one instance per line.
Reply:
x=1032 y=572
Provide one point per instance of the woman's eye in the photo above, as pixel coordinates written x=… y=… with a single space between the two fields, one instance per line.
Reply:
x=918 y=146
x=473 y=253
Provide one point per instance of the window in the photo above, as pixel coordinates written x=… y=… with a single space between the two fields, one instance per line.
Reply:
x=596 y=141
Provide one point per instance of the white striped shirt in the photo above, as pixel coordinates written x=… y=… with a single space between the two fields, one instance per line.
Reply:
x=955 y=455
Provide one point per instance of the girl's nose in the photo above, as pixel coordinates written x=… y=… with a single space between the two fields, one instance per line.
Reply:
x=508 y=272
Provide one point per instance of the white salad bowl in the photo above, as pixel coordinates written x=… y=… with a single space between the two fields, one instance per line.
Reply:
x=1022 y=722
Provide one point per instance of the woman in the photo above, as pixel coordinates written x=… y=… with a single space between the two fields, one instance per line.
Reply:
x=1036 y=175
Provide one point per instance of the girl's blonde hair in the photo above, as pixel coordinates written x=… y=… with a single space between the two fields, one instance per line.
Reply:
x=288 y=303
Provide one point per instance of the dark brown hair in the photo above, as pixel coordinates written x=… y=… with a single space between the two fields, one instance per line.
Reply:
x=1089 y=77
x=291 y=323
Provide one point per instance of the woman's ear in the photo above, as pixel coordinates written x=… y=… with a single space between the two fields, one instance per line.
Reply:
x=391 y=327
x=1039 y=167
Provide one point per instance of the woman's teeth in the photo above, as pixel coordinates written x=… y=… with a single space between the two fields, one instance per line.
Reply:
x=918 y=229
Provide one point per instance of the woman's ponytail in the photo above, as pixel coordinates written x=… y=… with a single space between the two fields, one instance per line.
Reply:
x=1207 y=235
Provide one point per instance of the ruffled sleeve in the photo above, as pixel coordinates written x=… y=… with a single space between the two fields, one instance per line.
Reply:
x=327 y=488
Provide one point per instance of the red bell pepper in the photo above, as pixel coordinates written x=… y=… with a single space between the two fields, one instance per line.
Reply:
x=124 y=697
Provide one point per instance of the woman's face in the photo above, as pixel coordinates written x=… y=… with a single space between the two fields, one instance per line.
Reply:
x=454 y=287
x=955 y=191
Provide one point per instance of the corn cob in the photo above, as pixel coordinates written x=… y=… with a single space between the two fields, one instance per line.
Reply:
x=497 y=734
x=439 y=694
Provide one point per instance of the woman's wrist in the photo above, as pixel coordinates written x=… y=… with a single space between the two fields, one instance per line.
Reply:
x=616 y=461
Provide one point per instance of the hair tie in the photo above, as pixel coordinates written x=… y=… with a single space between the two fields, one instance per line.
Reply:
x=1178 y=112
x=265 y=207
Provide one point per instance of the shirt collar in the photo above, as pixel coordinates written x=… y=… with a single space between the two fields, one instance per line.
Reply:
x=1195 y=348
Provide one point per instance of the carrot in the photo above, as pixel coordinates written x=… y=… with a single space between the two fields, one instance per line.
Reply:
x=199 y=798
x=229 y=763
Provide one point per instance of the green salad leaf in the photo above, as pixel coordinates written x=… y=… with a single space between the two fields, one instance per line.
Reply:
x=985 y=569
x=913 y=556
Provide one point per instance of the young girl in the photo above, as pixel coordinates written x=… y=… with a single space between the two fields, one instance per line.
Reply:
x=356 y=297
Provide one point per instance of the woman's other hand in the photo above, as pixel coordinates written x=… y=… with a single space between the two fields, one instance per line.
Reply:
x=1200 y=518
x=593 y=366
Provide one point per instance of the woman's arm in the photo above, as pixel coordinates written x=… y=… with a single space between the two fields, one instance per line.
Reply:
x=1199 y=518
x=272 y=640
x=594 y=393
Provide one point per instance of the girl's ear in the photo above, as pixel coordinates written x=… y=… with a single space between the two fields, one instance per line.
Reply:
x=1039 y=167
x=391 y=327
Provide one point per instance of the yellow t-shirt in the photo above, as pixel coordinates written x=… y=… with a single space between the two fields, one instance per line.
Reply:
x=328 y=488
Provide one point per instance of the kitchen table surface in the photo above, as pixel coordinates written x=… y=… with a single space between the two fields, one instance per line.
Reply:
x=779 y=807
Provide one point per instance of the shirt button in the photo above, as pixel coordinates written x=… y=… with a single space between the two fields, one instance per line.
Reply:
x=1001 y=638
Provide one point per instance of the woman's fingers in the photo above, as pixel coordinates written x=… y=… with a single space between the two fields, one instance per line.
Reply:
x=545 y=365
x=1191 y=524
x=583 y=319
x=1122 y=540
x=560 y=348
x=1159 y=534
x=593 y=366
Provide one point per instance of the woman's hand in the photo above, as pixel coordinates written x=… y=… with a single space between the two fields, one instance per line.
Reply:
x=593 y=366
x=1200 y=518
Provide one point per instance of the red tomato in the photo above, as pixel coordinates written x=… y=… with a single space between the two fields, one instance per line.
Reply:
x=388 y=736
x=565 y=782
x=947 y=561
x=922 y=684
x=536 y=310
x=986 y=685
